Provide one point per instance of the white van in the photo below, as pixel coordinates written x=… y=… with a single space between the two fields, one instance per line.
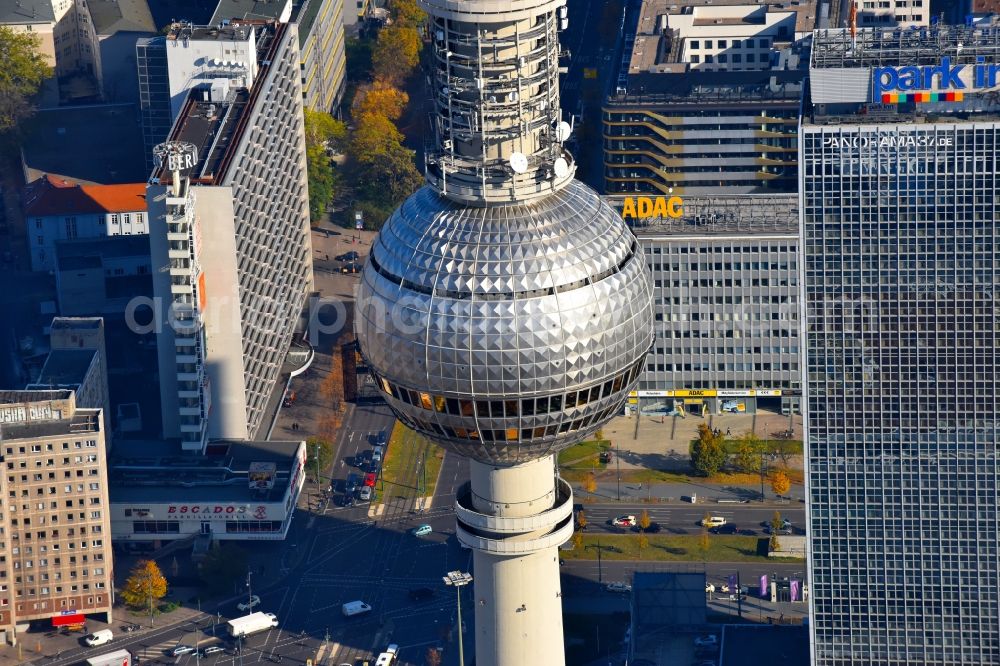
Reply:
x=99 y=638
x=355 y=608
x=389 y=657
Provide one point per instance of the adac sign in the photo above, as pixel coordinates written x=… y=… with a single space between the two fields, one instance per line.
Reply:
x=644 y=207
x=944 y=82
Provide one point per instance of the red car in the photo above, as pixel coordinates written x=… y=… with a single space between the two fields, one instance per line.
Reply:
x=370 y=480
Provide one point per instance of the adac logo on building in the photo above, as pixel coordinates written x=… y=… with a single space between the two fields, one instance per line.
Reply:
x=931 y=83
x=644 y=207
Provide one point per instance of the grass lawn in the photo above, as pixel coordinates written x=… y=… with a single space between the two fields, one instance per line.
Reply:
x=674 y=549
x=584 y=455
x=400 y=467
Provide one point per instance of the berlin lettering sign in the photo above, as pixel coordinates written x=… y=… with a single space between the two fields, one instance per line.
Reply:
x=643 y=207
x=931 y=83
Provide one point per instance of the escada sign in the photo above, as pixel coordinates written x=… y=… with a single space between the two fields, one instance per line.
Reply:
x=942 y=77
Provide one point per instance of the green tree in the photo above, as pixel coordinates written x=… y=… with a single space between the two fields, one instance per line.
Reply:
x=23 y=71
x=223 y=566
x=748 y=452
x=578 y=540
x=773 y=544
x=145 y=585
x=707 y=453
x=581 y=520
x=319 y=454
x=322 y=181
x=322 y=129
x=396 y=54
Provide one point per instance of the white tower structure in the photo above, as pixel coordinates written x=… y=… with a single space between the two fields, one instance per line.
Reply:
x=505 y=309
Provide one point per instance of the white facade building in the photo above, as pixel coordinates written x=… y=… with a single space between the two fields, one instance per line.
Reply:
x=57 y=210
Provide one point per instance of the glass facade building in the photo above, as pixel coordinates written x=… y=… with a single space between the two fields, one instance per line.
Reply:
x=901 y=259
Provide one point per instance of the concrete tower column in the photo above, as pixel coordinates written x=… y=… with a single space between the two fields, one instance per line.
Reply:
x=515 y=518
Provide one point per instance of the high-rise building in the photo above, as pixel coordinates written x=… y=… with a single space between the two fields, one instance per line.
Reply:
x=901 y=258
x=505 y=310
x=726 y=306
x=707 y=99
x=229 y=236
x=55 y=552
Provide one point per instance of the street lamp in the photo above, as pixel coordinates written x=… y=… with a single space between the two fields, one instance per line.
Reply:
x=249 y=591
x=459 y=579
x=763 y=470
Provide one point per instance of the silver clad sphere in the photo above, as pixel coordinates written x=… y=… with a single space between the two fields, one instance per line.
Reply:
x=509 y=332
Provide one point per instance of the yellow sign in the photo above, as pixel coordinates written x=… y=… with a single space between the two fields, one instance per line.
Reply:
x=695 y=393
x=641 y=207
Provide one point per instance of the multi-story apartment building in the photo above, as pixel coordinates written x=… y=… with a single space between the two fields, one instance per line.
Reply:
x=321 y=41
x=892 y=13
x=56 y=210
x=230 y=221
x=707 y=99
x=726 y=304
x=37 y=17
x=55 y=547
x=78 y=362
x=901 y=252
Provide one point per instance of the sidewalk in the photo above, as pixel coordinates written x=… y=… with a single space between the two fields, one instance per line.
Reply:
x=679 y=493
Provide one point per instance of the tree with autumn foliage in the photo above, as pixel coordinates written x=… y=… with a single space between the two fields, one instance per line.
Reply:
x=381 y=98
x=384 y=169
x=780 y=483
x=23 y=72
x=145 y=585
x=396 y=53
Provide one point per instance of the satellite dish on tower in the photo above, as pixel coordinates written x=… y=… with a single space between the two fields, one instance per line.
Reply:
x=563 y=131
x=518 y=162
x=561 y=167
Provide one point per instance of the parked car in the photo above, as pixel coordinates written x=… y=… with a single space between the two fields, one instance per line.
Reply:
x=348 y=256
x=421 y=593
x=212 y=649
x=370 y=479
x=618 y=587
x=728 y=528
x=623 y=521
x=366 y=494
x=351 y=486
x=713 y=521
x=181 y=649
x=607 y=456
x=352 y=267
x=248 y=605
x=422 y=530
x=710 y=640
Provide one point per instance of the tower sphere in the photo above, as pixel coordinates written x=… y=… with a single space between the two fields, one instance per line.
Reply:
x=506 y=332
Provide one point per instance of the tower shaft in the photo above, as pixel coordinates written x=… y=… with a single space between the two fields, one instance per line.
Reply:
x=515 y=518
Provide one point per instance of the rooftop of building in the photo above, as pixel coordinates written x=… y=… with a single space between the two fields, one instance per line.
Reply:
x=157 y=471
x=13 y=397
x=248 y=9
x=166 y=12
x=698 y=88
x=740 y=215
x=52 y=195
x=215 y=128
x=216 y=32
x=82 y=421
x=76 y=323
x=656 y=46
x=20 y=12
x=75 y=253
x=114 y=16
x=64 y=368
x=897 y=47
x=71 y=143
x=305 y=12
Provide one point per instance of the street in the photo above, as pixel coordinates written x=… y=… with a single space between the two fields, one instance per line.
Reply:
x=686 y=518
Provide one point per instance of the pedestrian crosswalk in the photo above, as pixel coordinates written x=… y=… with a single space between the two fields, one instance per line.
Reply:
x=152 y=651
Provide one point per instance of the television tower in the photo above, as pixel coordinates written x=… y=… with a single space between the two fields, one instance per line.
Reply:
x=505 y=309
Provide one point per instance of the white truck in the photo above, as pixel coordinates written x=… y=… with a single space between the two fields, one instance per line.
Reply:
x=118 y=658
x=251 y=624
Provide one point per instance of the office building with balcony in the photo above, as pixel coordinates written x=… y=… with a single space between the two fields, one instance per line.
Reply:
x=55 y=547
x=726 y=306
x=230 y=244
x=901 y=247
x=707 y=99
